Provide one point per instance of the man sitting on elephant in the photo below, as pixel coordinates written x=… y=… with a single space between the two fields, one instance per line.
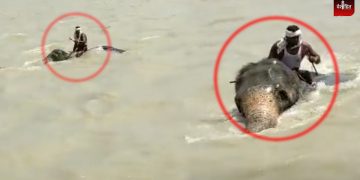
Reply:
x=291 y=50
x=80 y=42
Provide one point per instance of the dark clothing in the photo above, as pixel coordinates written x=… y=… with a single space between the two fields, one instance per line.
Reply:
x=80 y=47
x=80 y=43
x=304 y=76
x=75 y=46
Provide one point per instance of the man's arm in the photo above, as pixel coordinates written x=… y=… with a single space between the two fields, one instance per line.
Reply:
x=273 y=52
x=74 y=40
x=312 y=55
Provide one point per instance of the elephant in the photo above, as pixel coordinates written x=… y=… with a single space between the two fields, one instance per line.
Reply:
x=61 y=55
x=264 y=90
x=58 y=55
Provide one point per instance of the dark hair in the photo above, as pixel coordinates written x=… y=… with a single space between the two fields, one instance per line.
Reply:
x=77 y=27
x=292 y=28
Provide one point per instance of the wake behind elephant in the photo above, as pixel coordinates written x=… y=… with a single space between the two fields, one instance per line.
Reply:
x=263 y=91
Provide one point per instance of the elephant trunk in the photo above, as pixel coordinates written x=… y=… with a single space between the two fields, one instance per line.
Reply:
x=260 y=108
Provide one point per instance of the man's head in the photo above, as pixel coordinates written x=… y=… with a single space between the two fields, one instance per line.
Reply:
x=292 y=35
x=77 y=29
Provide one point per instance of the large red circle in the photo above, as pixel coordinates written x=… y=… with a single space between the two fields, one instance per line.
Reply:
x=57 y=74
x=275 y=18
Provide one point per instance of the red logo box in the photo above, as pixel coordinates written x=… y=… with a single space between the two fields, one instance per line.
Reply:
x=344 y=7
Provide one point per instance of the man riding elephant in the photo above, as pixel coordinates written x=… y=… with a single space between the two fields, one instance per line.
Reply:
x=80 y=42
x=80 y=47
x=292 y=49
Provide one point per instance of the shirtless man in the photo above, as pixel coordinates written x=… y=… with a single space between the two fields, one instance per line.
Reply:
x=291 y=50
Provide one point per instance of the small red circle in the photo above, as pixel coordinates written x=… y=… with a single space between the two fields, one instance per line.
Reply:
x=69 y=79
x=276 y=18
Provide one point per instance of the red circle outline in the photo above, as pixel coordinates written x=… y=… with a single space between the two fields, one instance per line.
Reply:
x=276 y=18
x=44 y=38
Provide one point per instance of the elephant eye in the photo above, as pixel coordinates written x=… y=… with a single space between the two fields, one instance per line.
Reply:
x=283 y=95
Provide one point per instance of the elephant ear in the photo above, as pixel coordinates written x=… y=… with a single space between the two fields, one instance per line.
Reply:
x=287 y=83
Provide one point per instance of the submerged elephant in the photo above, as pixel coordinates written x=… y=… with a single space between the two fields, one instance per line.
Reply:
x=61 y=55
x=58 y=55
x=263 y=91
